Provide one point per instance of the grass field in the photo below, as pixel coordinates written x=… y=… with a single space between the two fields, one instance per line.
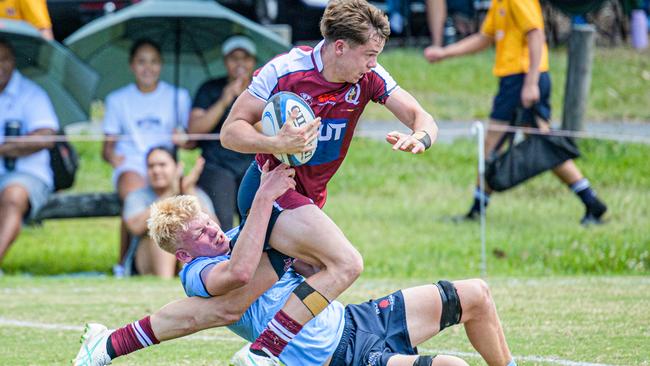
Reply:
x=548 y=321
x=462 y=89
x=392 y=203
x=394 y=208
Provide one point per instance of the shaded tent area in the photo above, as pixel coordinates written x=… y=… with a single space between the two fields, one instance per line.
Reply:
x=69 y=83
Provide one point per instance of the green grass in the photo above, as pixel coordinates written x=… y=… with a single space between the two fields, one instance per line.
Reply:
x=587 y=319
x=395 y=208
x=462 y=89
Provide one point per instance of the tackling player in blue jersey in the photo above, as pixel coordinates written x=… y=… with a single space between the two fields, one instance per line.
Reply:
x=382 y=332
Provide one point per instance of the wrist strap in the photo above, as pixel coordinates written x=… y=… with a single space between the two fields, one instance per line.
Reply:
x=423 y=137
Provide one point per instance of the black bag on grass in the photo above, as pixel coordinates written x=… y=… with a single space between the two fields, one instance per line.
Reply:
x=526 y=159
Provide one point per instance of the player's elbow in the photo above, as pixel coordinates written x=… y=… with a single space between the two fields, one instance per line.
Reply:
x=240 y=277
x=226 y=136
x=535 y=36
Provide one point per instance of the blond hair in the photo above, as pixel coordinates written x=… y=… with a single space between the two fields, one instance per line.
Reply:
x=169 y=217
x=355 y=21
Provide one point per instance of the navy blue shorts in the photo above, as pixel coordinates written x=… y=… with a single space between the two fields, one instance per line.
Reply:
x=374 y=331
x=508 y=98
x=248 y=188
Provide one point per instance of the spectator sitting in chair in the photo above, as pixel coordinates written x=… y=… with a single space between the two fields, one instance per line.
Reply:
x=516 y=27
x=165 y=179
x=26 y=179
x=224 y=168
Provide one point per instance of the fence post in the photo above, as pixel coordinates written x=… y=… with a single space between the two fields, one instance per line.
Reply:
x=479 y=129
x=578 y=78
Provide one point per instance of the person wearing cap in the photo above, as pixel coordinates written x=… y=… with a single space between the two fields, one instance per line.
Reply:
x=224 y=169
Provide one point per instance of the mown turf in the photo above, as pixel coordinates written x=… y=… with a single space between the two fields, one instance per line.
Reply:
x=583 y=319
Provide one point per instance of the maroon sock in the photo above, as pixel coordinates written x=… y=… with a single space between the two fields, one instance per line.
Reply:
x=132 y=337
x=277 y=334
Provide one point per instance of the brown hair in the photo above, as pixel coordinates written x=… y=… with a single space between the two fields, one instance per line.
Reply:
x=142 y=43
x=169 y=217
x=355 y=21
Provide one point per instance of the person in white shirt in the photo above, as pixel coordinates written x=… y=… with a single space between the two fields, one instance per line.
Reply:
x=26 y=179
x=139 y=116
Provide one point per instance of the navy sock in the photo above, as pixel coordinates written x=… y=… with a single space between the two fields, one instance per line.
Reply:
x=109 y=348
x=476 y=206
x=582 y=189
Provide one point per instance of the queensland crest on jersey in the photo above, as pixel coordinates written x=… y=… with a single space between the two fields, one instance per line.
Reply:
x=352 y=96
x=306 y=97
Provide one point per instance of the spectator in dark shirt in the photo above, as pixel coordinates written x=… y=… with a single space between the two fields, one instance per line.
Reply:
x=224 y=169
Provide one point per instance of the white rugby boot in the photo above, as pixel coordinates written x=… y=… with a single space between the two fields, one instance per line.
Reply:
x=93 y=347
x=244 y=357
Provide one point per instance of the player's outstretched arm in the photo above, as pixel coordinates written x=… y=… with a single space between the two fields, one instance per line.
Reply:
x=474 y=43
x=408 y=111
x=238 y=271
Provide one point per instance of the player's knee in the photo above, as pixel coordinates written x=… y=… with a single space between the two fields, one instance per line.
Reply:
x=447 y=360
x=14 y=196
x=232 y=315
x=351 y=266
x=481 y=297
x=212 y=317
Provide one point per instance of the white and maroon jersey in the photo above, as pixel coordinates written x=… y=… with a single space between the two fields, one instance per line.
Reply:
x=339 y=105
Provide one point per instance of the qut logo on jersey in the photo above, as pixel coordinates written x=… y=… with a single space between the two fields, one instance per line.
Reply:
x=332 y=131
x=330 y=140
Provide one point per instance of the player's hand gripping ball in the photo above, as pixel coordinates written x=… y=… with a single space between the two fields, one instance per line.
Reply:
x=277 y=111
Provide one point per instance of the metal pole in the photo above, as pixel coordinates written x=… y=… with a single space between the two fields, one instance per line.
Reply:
x=177 y=71
x=479 y=129
x=578 y=79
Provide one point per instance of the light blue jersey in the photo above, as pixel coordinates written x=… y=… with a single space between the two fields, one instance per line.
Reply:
x=313 y=345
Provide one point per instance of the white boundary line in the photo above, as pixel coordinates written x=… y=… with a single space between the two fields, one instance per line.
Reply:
x=76 y=328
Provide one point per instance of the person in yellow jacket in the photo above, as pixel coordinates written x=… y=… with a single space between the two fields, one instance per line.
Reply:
x=516 y=28
x=32 y=11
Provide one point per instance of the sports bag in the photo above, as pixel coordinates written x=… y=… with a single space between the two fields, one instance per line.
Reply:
x=526 y=159
x=64 y=162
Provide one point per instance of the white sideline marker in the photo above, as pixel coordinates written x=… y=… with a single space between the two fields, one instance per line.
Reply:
x=76 y=328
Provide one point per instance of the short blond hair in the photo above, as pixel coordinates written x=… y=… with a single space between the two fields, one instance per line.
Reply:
x=169 y=217
x=354 y=21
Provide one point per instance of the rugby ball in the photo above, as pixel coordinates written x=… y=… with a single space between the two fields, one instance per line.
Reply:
x=276 y=112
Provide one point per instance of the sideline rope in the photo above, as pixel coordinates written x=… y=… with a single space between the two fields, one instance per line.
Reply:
x=453 y=132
